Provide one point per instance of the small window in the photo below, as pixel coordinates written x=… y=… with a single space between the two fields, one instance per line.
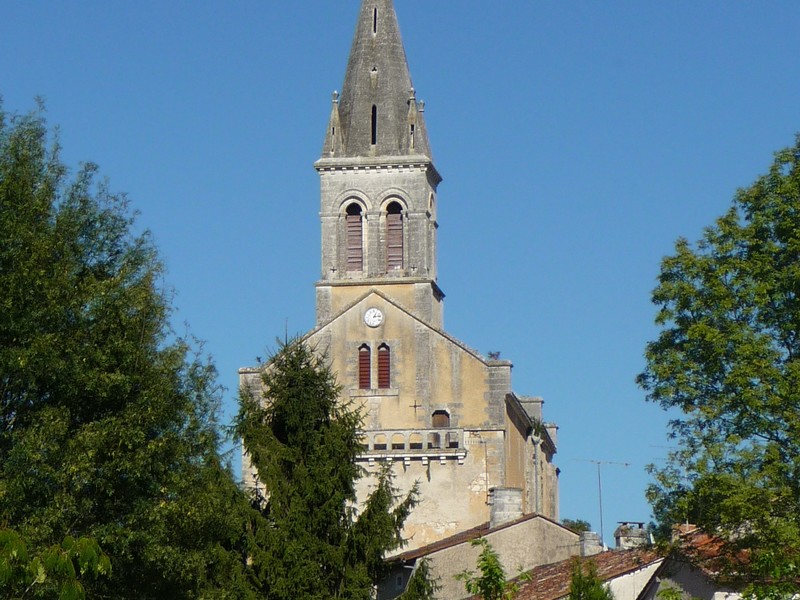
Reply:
x=384 y=367
x=398 y=442
x=374 y=124
x=355 y=238
x=364 y=378
x=379 y=442
x=441 y=419
x=452 y=439
x=374 y=20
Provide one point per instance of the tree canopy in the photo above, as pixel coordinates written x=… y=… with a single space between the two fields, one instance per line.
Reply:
x=585 y=584
x=107 y=418
x=728 y=358
x=316 y=541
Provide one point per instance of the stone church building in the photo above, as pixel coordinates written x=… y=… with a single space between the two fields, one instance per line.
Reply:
x=443 y=414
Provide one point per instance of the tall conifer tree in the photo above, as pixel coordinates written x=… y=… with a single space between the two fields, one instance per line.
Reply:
x=303 y=440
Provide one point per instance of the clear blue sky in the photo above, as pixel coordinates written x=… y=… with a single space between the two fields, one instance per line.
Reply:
x=577 y=141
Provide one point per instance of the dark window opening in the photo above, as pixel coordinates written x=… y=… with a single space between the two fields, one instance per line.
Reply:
x=394 y=236
x=441 y=419
x=434 y=441
x=374 y=20
x=354 y=235
x=384 y=367
x=398 y=442
x=374 y=124
x=452 y=439
x=364 y=379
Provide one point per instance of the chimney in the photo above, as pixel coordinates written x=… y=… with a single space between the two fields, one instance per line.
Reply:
x=630 y=534
x=506 y=505
x=590 y=543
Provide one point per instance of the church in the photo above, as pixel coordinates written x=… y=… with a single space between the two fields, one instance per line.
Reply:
x=441 y=413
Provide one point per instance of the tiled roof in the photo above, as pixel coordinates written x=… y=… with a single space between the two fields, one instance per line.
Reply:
x=550 y=582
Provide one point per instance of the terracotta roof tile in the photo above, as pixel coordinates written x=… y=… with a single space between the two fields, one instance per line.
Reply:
x=550 y=582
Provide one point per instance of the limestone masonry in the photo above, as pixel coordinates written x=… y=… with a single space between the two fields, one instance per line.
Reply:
x=441 y=413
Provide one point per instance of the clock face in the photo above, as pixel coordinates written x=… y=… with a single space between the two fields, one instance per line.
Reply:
x=373 y=317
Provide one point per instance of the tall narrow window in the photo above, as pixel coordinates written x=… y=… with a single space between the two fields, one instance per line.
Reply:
x=364 y=379
x=374 y=124
x=355 y=238
x=394 y=236
x=374 y=20
x=384 y=367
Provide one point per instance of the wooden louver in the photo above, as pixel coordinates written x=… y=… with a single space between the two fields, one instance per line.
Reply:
x=384 y=367
x=355 y=245
x=394 y=237
x=364 y=379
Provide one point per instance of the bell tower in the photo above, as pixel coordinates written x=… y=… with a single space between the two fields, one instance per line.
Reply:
x=377 y=179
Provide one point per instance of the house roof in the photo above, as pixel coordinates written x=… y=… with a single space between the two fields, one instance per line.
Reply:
x=550 y=582
x=466 y=536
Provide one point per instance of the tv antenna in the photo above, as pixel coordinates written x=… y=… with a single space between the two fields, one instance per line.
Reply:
x=600 y=486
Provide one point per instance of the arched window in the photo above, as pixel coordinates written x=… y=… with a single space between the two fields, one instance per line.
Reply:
x=394 y=236
x=384 y=367
x=364 y=379
x=440 y=419
x=355 y=238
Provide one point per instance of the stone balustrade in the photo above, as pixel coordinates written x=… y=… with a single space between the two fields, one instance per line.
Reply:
x=413 y=444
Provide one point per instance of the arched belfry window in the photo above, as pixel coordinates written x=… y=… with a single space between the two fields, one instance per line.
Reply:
x=394 y=236
x=364 y=378
x=354 y=238
x=384 y=367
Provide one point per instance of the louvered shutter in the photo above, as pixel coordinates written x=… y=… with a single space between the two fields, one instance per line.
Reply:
x=384 y=367
x=355 y=250
x=394 y=240
x=364 y=379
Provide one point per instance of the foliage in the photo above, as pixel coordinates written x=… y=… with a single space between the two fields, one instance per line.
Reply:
x=577 y=525
x=107 y=426
x=728 y=358
x=422 y=585
x=303 y=441
x=585 y=584
x=56 y=571
x=490 y=583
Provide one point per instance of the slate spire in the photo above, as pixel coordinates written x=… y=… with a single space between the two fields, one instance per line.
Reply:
x=377 y=113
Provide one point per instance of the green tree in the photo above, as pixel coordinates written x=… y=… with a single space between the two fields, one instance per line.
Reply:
x=57 y=571
x=303 y=441
x=107 y=427
x=490 y=581
x=585 y=584
x=423 y=585
x=728 y=358
x=577 y=525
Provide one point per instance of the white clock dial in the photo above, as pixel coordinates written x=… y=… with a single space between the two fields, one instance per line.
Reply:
x=373 y=317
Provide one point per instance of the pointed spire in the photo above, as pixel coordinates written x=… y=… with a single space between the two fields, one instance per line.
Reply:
x=377 y=112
